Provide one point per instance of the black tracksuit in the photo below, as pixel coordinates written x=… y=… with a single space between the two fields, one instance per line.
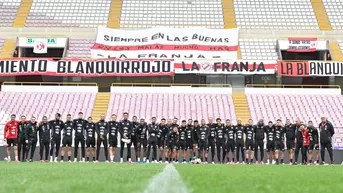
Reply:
x=152 y=130
x=21 y=139
x=68 y=128
x=259 y=137
x=31 y=135
x=220 y=141
x=142 y=137
x=134 y=139
x=80 y=135
x=102 y=130
x=299 y=143
x=239 y=130
x=326 y=132
x=161 y=134
x=290 y=136
x=44 y=130
x=125 y=129
x=211 y=139
x=56 y=127
x=113 y=133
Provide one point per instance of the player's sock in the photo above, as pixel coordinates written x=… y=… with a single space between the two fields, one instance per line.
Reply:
x=83 y=159
x=87 y=158
x=277 y=161
x=291 y=160
x=233 y=159
x=55 y=159
x=75 y=159
x=62 y=157
x=138 y=159
x=93 y=158
x=318 y=161
x=9 y=158
x=112 y=157
x=144 y=159
x=246 y=160
x=206 y=159
x=129 y=159
x=251 y=160
x=282 y=161
x=69 y=158
x=51 y=159
x=310 y=161
x=184 y=160
x=160 y=159
x=170 y=159
x=16 y=158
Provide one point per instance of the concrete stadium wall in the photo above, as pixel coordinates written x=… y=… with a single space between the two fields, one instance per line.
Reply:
x=338 y=155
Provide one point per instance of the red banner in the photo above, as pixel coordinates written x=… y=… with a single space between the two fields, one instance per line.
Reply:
x=302 y=44
x=291 y=68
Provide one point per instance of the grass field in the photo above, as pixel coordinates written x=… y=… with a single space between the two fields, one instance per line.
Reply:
x=137 y=178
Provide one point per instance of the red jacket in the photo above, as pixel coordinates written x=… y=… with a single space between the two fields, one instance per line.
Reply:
x=306 y=137
x=11 y=130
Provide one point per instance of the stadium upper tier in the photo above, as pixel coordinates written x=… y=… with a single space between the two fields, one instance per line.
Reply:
x=246 y=14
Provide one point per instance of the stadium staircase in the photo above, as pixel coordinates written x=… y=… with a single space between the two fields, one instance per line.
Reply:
x=101 y=104
x=335 y=51
x=8 y=48
x=241 y=107
x=229 y=14
x=23 y=12
x=114 y=15
x=321 y=15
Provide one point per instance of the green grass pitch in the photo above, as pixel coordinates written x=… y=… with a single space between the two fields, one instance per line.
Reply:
x=134 y=178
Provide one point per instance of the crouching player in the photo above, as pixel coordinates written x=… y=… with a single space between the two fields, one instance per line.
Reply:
x=314 y=140
x=171 y=143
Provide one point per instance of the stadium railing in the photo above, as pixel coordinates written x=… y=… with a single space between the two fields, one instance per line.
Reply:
x=169 y=85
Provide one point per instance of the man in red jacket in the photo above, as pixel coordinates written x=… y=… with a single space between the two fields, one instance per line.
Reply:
x=306 y=142
x=11 y=137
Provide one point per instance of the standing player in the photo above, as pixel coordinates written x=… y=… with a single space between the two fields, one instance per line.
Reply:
x=67 y=140
x=203 y=134
x=259 y=131
x=212 y=138
x=113 y=136
x=230 y=144
x=306 y=143
x=220 y=140
x=279 y=134
x=21 y=137
x=11 y=137
x=31 y=138
x=314 y=140
x=299 y=140
x=195 y=139
x=90 y=130
x=142 y=140
x=239 y=130
x=326 y=132
x=125 y=133
x=56 y=129
x=290 y=138
x=171 y=143
x=189 y=139
x=270 y=131
x=44 y=138
x=162 y=130
x=101 y=129
x=152 y=142
x=249 y=142
x=135 y=125
x=182 y=140
x=80 y=135
x=168 y=130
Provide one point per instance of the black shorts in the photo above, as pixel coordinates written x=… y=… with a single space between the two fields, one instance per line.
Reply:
x=250 y=145
x=171 y=145
x=67 y=141
x=313 y=146
x=12 y=142
x=230 y=146
x=203 y=145
x=90 y=142
x=270 y=146
x=195 y=139
x=182 y=145
x=113 y=142
x=279 y=145
x=142 y=142
x=160 y=143
x=134 y=140
x=189 y=144
x=290 y=144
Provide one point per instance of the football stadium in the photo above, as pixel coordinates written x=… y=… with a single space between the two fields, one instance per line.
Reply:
x=171 y=96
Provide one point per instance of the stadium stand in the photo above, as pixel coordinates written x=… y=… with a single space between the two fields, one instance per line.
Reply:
x=275 y=14
x=336 y=50
x=80 y=48
x=262 y=49
x=39 y=104
x=334 y=13
x=2 y=41
x=8 y=10
x=174 y=13
x=183 y=106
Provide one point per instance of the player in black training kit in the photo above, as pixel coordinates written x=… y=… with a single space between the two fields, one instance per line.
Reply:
x=31 y=138
x=314 y=140
x=239 y=131
x=44 y=138
x=290 y=138
x=113 y=135
x=230 y=143
x=125 y=133
x=90 y=130
x=220 y=140
x=162 y=131
x=212 y=138
x=152 y=142
x=142 y=140
x=249 y=142
x=279 y=140
x=101 y=128
x=299 y=140
x=189 y=139
x=259 y=131
x=171 y=143
x=195 y=139
x=80 y=135
x=182 y=140
x=203 y=134
x=21 y=137
x=67 y=137
x=56 y=127
x=134 y=140
x=270 y=131
x=326 y=132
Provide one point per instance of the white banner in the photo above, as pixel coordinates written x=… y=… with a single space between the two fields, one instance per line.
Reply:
x=302 y=44
x=325 y=68
x=166 y=43
x=40 y=46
